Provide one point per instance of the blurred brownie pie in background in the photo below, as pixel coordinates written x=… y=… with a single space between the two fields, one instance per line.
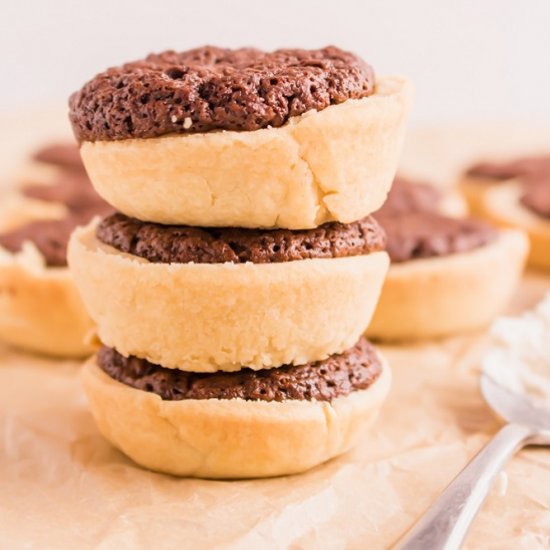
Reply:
x=40 y=309
x=515 y=194
x=442 y=274
x=483 y=176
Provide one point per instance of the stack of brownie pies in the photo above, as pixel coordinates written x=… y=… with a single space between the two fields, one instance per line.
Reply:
x=232 y=287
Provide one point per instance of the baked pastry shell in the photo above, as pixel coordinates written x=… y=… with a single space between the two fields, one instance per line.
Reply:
x=333 y=165
x=17 y=210
x=209 y=317
x=40 y=307
x=502 y=206
x=234 y=438
x=436 y=297
x=473 y=189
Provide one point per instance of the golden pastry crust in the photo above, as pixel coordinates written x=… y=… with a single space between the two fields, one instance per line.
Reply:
x=40 y=308
x=473 y=189
x=232 y=438
x=17 y=210
x=434 y=297
x=452 y=204
x=208 y=317
x=332 y=165
x=502 y=205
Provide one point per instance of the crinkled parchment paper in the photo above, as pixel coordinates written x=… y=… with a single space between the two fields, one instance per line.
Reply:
x=62 y=486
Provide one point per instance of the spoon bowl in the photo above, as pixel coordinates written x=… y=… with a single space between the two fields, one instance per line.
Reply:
x=513 y=407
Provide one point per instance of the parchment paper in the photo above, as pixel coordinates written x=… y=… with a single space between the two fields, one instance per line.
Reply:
x=62 y=486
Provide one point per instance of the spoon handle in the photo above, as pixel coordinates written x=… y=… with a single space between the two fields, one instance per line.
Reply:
x=445 y=525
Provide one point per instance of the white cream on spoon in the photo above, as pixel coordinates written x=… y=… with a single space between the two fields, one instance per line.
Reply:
x=519 y=358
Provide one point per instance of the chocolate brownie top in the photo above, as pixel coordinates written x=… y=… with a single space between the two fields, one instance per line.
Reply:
x=51 y=236
x=536 y=194
x=212 y=88
x=71 y=188
x=424 y=235
x=410 y=196
x=182 y=244
x=64 y=155
x=516 y=168
x=339 y=375
x=415 y=229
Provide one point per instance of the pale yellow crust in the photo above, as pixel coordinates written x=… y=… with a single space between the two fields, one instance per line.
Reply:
x=502 y=206
x=452 y=204
x=434 y=297
x=207 y=317
x=40 y=309
x=336 y=164
x=17 y=210
x=473 y=189
x=234 y=438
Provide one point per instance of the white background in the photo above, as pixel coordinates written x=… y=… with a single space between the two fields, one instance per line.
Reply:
x=470 y=60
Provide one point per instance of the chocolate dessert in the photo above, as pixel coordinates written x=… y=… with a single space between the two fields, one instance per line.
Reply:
x=355 y=369
x=51 y=236
x=517 y=168
x=70 y=187
x=415 y=229
x=73 y=189
x=213 y=88
x=183 y=244
x=233 y=285
x=425 y=235
x=61 y=154
x=536 y=194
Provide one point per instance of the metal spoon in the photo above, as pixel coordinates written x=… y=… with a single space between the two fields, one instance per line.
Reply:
x=446 y=523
